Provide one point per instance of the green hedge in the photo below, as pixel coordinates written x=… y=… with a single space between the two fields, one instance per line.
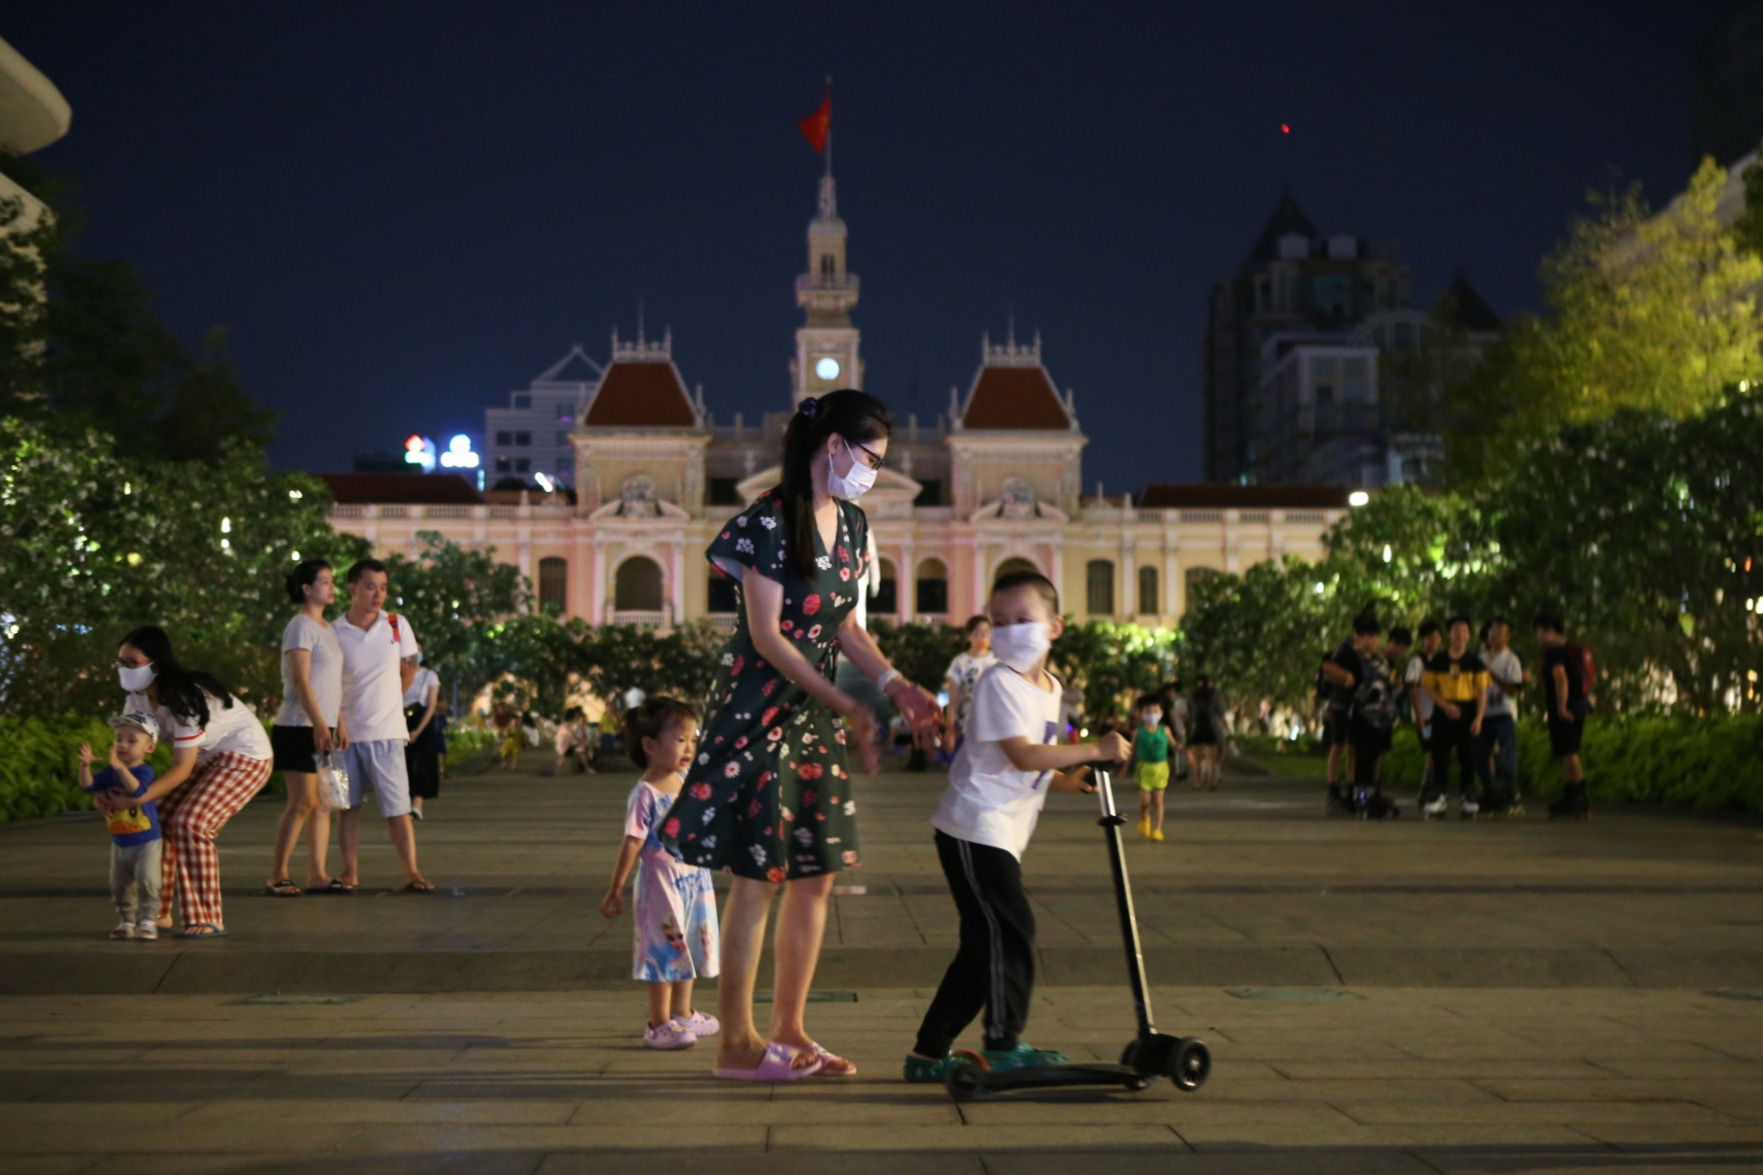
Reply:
x=1710 y=764
x=39 y=767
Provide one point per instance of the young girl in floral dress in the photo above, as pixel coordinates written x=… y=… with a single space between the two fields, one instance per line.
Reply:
x=769 y=797
x=674 y=909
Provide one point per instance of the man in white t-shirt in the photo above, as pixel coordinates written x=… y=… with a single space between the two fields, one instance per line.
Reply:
x=963 y=674
x=1010 y=758
x=1496 y=749
x=379 y=663
x=1419 y=701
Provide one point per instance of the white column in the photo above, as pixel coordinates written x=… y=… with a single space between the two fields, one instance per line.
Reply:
x=1171 y=568
x=906 y=590
x=679 y=581
x=598 y=616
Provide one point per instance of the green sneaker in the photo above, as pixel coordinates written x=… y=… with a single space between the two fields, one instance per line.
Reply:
x=921 y=1070
x=1023 y=1056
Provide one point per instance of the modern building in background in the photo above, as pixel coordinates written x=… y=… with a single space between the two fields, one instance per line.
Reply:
x=1299 y=343
x=532 y=435
x=993 y=484
x=1728 y=84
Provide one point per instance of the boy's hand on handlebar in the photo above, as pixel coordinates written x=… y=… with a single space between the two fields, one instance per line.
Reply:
x=1075 y=780
x=1114 y=748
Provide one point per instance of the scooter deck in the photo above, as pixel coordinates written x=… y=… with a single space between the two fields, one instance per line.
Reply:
x=970 y=1081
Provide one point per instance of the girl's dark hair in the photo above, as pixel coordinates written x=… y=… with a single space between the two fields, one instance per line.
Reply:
x=648 y=721
x=180 y=690
x=304 y=576
x=858 y=417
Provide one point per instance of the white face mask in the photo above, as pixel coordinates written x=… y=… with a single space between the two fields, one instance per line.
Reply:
x=136 y=678
x=1021 y=646
x=854 y=484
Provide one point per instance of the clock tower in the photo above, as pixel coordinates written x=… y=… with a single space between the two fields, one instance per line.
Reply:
x=826 y=343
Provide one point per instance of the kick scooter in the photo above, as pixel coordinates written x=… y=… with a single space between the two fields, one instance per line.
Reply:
x=1150 y=1055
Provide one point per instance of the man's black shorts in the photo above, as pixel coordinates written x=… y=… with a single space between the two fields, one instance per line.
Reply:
x=1564 y=736
x=1336 y=729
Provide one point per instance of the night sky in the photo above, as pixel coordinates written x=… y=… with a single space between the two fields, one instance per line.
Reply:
x=406 y=210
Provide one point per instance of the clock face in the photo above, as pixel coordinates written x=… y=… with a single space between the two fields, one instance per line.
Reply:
x=827 y=368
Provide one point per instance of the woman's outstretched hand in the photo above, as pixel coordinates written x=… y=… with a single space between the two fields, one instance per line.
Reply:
x=860 y=734
x=919 y=706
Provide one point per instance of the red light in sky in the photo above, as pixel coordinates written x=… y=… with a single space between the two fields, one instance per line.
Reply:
x=414 y=444
x=1285 y=128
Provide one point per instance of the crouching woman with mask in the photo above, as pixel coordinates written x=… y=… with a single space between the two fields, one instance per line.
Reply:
x=221 y=757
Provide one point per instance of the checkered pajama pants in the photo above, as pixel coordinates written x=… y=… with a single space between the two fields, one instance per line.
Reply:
x=192 y=815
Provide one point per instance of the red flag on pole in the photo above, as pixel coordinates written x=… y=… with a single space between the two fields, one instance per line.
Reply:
x=818 y=125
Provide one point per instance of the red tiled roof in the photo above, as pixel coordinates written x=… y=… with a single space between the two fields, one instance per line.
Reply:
x=1206 y=496
x=641 y=395
x=1015 y=397
x=416 y=489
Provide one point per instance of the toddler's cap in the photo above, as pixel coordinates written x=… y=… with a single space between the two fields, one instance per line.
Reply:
x=140 y=720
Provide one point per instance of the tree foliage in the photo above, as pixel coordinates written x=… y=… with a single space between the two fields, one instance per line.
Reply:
x=1112 y=663
x=95 y=540
x=1648 y=311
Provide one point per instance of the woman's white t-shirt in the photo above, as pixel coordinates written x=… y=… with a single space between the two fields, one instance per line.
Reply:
x=234 y=729
x=988 y=801
x=324 y=672
x=420 y=685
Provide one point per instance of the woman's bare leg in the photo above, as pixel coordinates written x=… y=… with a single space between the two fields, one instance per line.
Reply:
x=801 y=923
x=318 y=847
x=302 y=803
x=743 y=919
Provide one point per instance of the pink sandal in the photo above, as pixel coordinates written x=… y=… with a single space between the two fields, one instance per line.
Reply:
x=778 y=1064
x=833 y=1065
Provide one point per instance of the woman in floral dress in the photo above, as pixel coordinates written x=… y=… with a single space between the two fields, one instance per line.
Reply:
x=769 y=797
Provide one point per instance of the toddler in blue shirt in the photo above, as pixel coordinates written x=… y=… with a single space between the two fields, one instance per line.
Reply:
x=135 y=842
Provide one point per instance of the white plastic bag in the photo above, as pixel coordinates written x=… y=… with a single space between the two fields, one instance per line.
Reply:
x=333 y=781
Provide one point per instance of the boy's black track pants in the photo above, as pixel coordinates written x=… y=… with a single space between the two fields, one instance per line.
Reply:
x=995 y=967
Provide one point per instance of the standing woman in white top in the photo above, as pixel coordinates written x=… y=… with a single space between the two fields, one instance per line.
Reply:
x=422 y=756
x=312 y=694
x=220 y=759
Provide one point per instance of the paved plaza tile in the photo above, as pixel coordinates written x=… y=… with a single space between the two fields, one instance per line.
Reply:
x=1486 y=997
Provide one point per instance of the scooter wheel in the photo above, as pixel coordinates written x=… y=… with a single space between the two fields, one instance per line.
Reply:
x=1189 y=1065
x=964 y=1082
x=1140 y=1084
x=1129 y=1056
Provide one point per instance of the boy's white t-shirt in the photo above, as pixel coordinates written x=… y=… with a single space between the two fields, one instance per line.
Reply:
x=988 y=801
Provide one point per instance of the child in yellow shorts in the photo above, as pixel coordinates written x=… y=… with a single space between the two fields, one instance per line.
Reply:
x=1151 y=751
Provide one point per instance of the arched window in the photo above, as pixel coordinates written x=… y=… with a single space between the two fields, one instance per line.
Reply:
x=637 y=587
x=1012 y=566
x=932 y=588
x=553 y=584
x=1148 y=602
x=829 y=267
x=1099 y=587
x=886 y=600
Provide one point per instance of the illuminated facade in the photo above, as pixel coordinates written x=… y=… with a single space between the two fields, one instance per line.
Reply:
x=994 y=483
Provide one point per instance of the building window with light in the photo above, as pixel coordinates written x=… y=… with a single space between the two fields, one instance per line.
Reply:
x=1148 y=592
x=1099 y=587
x=553 y=584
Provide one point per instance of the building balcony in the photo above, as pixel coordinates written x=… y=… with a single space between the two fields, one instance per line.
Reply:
x=808 y=284
x=640 y=618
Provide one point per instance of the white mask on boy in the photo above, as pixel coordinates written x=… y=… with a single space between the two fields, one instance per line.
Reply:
x=1021 y=646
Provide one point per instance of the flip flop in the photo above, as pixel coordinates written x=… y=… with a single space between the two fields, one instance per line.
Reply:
x=332 y=886
x=202 y=930
x=419 y=887
x=283 y=889
x=833 y=1065
x=777 y=1065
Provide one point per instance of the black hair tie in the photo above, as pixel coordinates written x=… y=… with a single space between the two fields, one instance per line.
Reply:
x=808 y=407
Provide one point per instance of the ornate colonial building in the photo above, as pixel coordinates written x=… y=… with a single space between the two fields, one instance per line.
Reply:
x=994 y=483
